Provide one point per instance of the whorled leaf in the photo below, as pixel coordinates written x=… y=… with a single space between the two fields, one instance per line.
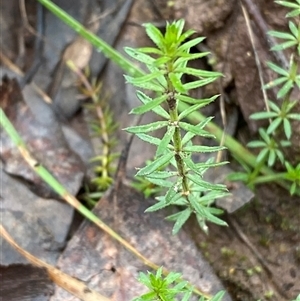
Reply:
x=149 y=106
x=155 y=165
x=158 y=109
x=147 y=127
x=163 y=145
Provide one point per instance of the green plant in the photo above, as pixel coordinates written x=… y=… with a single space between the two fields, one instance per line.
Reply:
x=182 y=178
x=280 y=114
x=168 y=288
x=103 y=127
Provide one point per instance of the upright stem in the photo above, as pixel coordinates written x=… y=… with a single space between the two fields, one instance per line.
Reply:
x=173 y=111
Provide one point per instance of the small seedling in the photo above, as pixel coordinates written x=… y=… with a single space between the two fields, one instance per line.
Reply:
x=168 y=288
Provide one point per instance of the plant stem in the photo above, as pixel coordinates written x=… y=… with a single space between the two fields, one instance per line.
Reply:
x=257 y=169
x=173 y=111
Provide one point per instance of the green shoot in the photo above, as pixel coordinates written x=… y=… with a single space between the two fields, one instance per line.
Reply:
x=168 y=288
x=173 y=167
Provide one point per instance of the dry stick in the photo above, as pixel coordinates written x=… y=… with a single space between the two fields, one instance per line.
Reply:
x=70 y=199
x=74 y=286
x=257 y=61
x=14 y=68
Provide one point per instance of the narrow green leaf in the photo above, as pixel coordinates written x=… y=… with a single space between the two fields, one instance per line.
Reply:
x=281 y=35
x=279 y=155
x=155 y=35
x=162 y=174
x=185 y=57
x=262 y=155
x=285 y=89
x=203 y=148
x=197 y=180
x=190 y=164
x=137 y=55
x=187 y=296
x=145 y=85
x=176 y=277
x=199 y=83
x=210 y=163
x=278 y=69
x=204 y=212
x=196 y=129
x=162 y=61
x=172 y=192
x=199 y=72
x=157 y=206
x=193 y=101
x=151 y=50
x=159 y=182
x=284 y=45
x=209 y=197
x=187 y=137
x=204 y=122
x=147 y=127
x=293 y=186
x=297 y=79
x=185 y=35
x=293 y=29
x=141 y=79
x=272 y=158
x=155 y=165
x=274 y=107
x=191 y=109
x=190 y=44
x=264 y=135
x=148 y=138
x=256 y=144
x=285 y=143
x=149 y=106
x=263 y=115
x=274 y=125
x=179 y=27
x=287 y=4
x=154 y=69
x=238 y=176
x=287 y=128
x=294 y=116
x=158 y=110
x=181 y=219
x=275 y=82
x=176 y=82
x=294 y=13
x=165 y=141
